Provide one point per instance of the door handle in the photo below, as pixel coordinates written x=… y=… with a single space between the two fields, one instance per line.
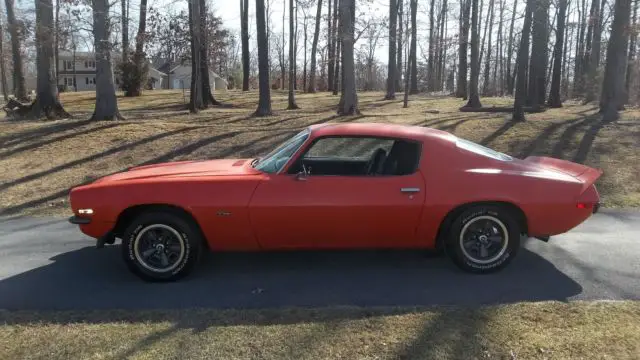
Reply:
x=410 y=190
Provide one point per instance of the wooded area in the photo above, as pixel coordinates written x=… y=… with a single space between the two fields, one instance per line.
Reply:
x=541 y=52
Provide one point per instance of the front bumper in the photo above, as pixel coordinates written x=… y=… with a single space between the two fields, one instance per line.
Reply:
x=78 y=220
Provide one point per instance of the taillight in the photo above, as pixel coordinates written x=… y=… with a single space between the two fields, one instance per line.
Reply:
x=584 y=205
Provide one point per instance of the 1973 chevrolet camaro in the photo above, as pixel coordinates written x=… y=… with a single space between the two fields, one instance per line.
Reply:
x=335 y=186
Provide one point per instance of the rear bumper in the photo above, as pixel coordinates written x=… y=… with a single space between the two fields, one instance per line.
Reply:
x=78 y=220
x=596 y=207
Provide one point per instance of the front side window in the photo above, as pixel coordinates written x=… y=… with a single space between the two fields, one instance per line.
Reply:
x=359 y=156
x=276 y=159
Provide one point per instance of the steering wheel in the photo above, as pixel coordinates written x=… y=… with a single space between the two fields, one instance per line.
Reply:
x=376 y=160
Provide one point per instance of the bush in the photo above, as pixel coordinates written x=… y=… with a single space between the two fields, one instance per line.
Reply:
x=133 y=77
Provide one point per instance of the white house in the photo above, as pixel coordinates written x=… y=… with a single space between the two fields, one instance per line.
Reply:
x=180 y=78
x=79 y=69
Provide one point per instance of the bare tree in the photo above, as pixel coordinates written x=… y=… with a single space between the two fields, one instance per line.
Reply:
x=593 y=61
x=348 y=99
x=138 y=80
x=292 y=60
x=264 y=103
x=612 y=96
x=474 y=98
x=413 y=47
x=463 y=41
x=391 y=72
x=632 y=50
x=554 y=94
x=106 y=101
x=124 y=9
x=510 y=78
x=538 y=59
x=244 y=29
x=314 y=47
x=3 y=73
x=19 y=87
x=521 y=61
x=399 y=47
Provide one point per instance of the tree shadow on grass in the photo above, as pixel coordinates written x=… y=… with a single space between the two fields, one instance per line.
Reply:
x=40 y=131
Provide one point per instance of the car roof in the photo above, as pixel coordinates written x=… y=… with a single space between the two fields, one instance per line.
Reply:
x=413 y=132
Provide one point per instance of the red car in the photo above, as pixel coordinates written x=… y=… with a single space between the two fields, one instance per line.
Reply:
x=335 y=186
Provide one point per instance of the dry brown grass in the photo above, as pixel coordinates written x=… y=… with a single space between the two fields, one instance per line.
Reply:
x=550 y=330
x=41 y=160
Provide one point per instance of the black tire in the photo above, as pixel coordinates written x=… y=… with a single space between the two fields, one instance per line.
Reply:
x=466 y=228
x=172 y=232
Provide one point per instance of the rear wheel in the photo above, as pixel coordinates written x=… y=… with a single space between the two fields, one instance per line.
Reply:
x=483 y=239
x=161 y=246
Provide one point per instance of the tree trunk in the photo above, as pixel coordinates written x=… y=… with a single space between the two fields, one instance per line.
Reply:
x=538 y=58
x=399 y=47
x=578 y=77
x=594 y=55
x=125 y=37
x=413 y=47
x=497 y=67
x=332 y=43
x=408 y=69
x=264 y=104
x=632 y=51
x=196 y=101
x=314 y=48
x=391 y=70
x=523 y=54
x=485 y=83
x=292 y=69
x=244 y=31
x=474 y=98
x=208 y=97
x=19 y=88
x=554 y=95
x=3 y=72
x=106 y=101
x=441 y=47
x=337 y=83
x=612 y=96
x=430 y=74
x=139 y=60
x=463 y=42
x=348 y=99
x=510 y=79
x=56 y=45
x=47 y=102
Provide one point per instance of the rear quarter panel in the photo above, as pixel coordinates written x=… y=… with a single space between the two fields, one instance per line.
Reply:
x=218 y=204
x=455 y=177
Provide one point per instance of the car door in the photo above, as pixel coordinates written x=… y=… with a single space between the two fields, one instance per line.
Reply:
x=289 y=210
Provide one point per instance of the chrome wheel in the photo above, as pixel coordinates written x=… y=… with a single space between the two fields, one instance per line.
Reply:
x=159 y=248
x=484 y=239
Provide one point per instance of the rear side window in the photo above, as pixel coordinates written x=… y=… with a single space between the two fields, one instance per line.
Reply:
x=481 y=150
x=348 y=147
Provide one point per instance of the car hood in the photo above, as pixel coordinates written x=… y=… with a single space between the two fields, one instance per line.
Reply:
x=223 y=167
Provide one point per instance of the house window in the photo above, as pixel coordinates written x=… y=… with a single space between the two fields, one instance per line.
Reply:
x=90 y=64
x=67 y=64
x=89 y=81
x=69 y=81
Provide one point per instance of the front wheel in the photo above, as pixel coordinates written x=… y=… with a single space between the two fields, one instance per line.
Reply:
x=483 y=239
x=159 y=246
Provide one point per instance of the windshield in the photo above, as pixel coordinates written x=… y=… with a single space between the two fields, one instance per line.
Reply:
x=482 y=150
x=276 y=159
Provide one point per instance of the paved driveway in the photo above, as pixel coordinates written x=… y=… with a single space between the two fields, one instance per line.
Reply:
x=46 y=263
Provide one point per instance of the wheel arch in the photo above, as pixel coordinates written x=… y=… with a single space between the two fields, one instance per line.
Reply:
x=446 y=222
x=129 y=214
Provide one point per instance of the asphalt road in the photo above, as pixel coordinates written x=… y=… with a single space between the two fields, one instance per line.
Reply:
x=46 y=263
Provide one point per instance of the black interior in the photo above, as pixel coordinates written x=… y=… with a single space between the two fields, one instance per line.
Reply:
x=402 y=159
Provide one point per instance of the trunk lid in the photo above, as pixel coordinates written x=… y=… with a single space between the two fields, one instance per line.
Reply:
x=587 y=175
